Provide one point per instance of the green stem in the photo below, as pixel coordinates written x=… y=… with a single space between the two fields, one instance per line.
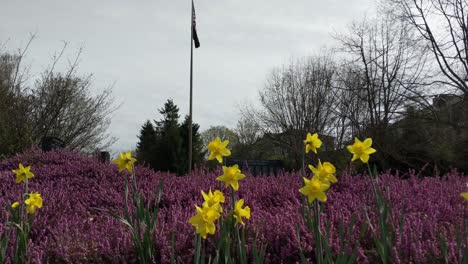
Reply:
x=232 y=200
x=382 y=220
x=232 y=224
x=21 y=245
x=242 y=253
x=374 y=189
x=303 y=163
x=127 y=208
x=25 y=195
x=136 y=201
x=197 y=248
x=318 y=235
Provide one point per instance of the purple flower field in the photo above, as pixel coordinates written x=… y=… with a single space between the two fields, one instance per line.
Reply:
x=69 y=230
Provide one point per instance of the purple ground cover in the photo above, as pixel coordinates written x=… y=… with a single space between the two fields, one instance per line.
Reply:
x=68 y=230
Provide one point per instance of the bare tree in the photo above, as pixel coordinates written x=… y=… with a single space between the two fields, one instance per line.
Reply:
x=59 y=104
x=349 y=110
x=15 y=131
x=444 y=27
x=247 y=131
x=295 y=100
x=385 y=71
x=63 y=106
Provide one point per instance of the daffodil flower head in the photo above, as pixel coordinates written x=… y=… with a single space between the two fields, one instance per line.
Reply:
x=22 y=173
x=15 y=205
x=231 y=177
x=314 y=189
x=213 y=199
x=325 y=172
x=312 y=142
x=240 y=212
x=125 y=161
x=361 y=149
x=218 y=149
x=204 y=220
x=464 y=195
x=34 y=200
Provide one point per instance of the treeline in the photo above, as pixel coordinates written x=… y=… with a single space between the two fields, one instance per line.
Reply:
x=395 y=78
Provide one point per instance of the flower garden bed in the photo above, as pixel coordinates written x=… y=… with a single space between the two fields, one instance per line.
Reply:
x=69 y=229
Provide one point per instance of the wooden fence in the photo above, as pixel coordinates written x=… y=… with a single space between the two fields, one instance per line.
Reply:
x=257 y=167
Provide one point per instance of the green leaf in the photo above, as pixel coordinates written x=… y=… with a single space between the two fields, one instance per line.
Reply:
x=197 y=249
x=301 y=253
x=443 y=247
x=3 y=246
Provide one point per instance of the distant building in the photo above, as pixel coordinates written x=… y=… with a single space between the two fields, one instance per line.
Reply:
x=446 y=100
x=449 y=108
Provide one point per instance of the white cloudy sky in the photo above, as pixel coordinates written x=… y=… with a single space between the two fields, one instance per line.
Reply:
x=143 y=46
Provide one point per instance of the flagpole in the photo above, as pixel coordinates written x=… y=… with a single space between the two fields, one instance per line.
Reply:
x=191 y=89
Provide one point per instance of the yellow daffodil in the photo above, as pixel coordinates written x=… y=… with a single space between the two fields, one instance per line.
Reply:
x=22 y=173
x=125 y=161
x=240 y=212
x=314 y=189
x=204 y=220
x=34 y=200
x=464 y=195
x=361 y=149
x=218 y=149
x=232 y=175
x=324 y=172
x=312 y=142
x=213 y=199
x=15 y=204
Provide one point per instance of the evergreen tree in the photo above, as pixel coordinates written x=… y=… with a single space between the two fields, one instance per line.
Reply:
x=146 y=145
x=170 y=113
x=164 y=147
x=197 y=146
x=168 y=143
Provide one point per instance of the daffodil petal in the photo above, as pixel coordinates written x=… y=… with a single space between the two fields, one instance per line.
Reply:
x=370 y=151
x=235 y=185
x=364 y=158
x=322 y=197
x=367 y=142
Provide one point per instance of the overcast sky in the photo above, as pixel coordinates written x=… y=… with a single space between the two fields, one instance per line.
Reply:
x=144 y=48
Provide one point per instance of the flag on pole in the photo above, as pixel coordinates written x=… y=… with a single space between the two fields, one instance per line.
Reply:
x=194 y=28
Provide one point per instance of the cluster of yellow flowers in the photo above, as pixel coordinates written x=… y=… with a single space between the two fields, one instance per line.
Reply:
x=324 y=173
x=211 y=209
x=204 y=220
x=33 y=200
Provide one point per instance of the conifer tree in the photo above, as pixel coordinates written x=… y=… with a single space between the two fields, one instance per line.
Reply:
x=164 y=146
x=146 y=145
x=197 y=145
x=168 y=145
